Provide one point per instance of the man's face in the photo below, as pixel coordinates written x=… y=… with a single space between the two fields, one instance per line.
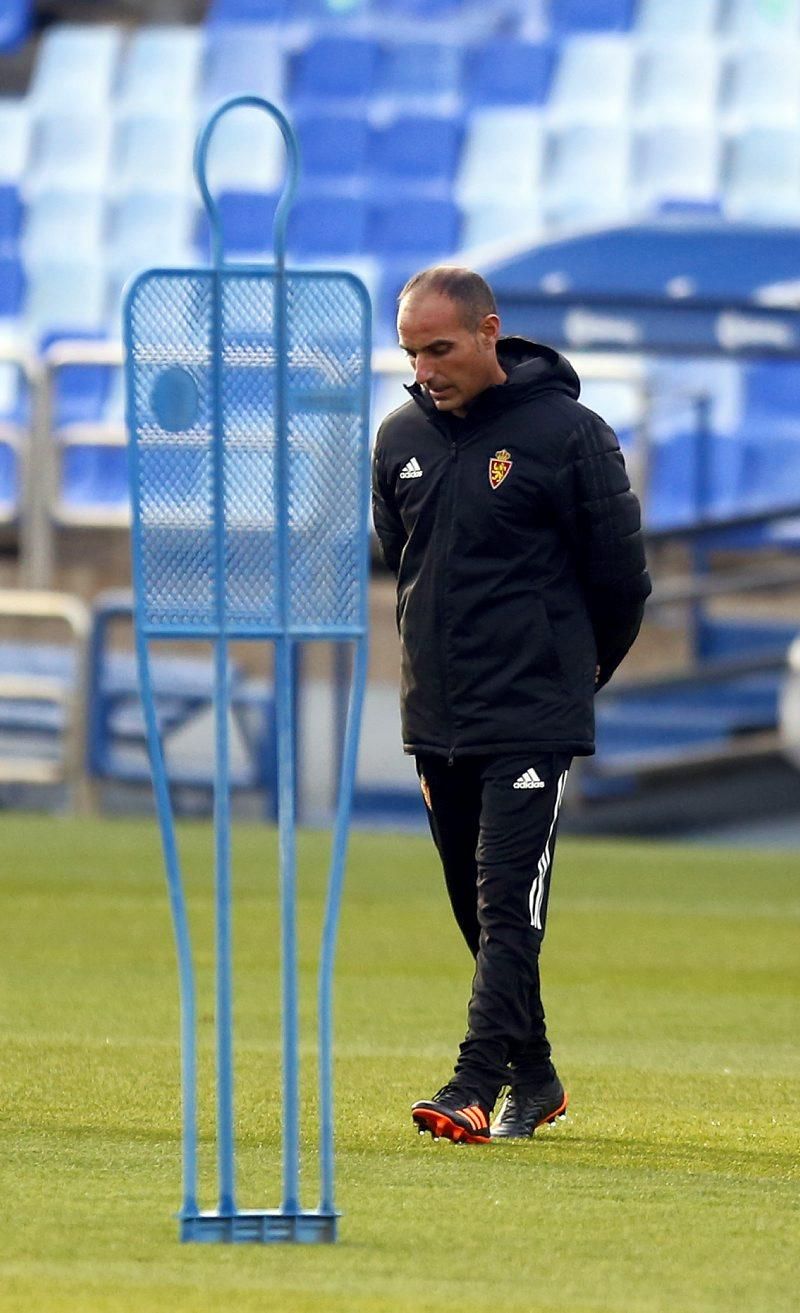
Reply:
x=453 y=363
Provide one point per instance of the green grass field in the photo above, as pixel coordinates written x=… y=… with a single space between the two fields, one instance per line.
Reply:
x=671 y=979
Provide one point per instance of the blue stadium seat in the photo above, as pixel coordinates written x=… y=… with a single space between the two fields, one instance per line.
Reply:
x=10 y=216
x=14 y=419
x=568 y=16
x=335 y=68
x=94 y=482
x=420 y=228
x=16 y=17
x=243 y=58
x=12 y=286
x=75 y=69
x=421 y=70
x=248 y=12
x=80 y=391
x=9 y=477
x=421 y=150
x=508 y=72
x=328 y=225
x=246 y=219
x=332 y=145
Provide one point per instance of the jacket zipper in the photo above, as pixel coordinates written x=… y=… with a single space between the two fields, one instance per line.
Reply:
x=450 y=522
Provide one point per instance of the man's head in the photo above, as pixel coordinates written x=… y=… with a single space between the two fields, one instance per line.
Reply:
x=448 y=327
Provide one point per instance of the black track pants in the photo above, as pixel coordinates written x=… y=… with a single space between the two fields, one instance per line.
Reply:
x=494 y=822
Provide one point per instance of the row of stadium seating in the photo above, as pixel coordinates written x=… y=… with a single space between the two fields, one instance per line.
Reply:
x=95 y=173
x=587 y=78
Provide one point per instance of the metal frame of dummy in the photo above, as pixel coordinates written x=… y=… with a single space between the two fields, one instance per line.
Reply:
x=289 y=1222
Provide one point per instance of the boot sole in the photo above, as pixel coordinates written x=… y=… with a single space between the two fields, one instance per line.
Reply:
x=442 y=1127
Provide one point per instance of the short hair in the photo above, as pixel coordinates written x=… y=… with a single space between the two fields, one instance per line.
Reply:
x=470 y=292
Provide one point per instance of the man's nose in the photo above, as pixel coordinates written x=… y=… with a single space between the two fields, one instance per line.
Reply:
x=422 y=370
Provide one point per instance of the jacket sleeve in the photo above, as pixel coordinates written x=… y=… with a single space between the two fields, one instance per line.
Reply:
x=603 y=521
x=386 y=517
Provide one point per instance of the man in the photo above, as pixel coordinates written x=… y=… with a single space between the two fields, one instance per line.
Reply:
x=503 y=507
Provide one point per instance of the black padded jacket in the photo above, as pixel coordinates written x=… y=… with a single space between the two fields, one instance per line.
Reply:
x=516 y=542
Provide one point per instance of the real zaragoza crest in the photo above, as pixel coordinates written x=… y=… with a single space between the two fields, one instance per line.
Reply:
x=499 y=465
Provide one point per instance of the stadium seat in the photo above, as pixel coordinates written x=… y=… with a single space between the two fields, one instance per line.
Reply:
x=71 y=153
x=246 y=153
x=63 y=225
x=762 y=177
x=421 y=72
x=759 y=21
x=502 y=158
x=14 y=418
x=508 y=72
x=677 y=83
x=675 y=163
x=12 y=287
x=247 y=12
x=593 y=81
x=15 y=134
x=80 y=391
x=421 y=150
x=15 y=23
x=422 y=228
x=10 y=216
x=328 y=225
x=763 y=88
x=94 y=484
x=569 y=16
x=161 y=68
x=65 y=297
x=150 y=228
x=488 y=222
x=243 y=58
x=587 y=180
x=332 y=145
x=663 y=18
x=246 y=219
x=335 y=68
x=75 y=70
x=153 y=152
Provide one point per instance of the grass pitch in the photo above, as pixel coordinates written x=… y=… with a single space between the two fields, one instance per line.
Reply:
x=671 y=979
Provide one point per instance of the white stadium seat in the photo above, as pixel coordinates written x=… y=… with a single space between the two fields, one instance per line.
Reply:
x=593 y=81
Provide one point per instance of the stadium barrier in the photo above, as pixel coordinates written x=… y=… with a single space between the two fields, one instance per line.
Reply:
x=43 y=694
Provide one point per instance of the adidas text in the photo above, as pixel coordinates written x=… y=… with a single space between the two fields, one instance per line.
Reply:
x=529 y=780
x=411 y=470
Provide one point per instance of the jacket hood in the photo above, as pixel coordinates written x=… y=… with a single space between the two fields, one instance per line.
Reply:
x=531 y=368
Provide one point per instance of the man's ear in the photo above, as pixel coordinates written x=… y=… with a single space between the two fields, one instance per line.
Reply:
x=489 y=329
